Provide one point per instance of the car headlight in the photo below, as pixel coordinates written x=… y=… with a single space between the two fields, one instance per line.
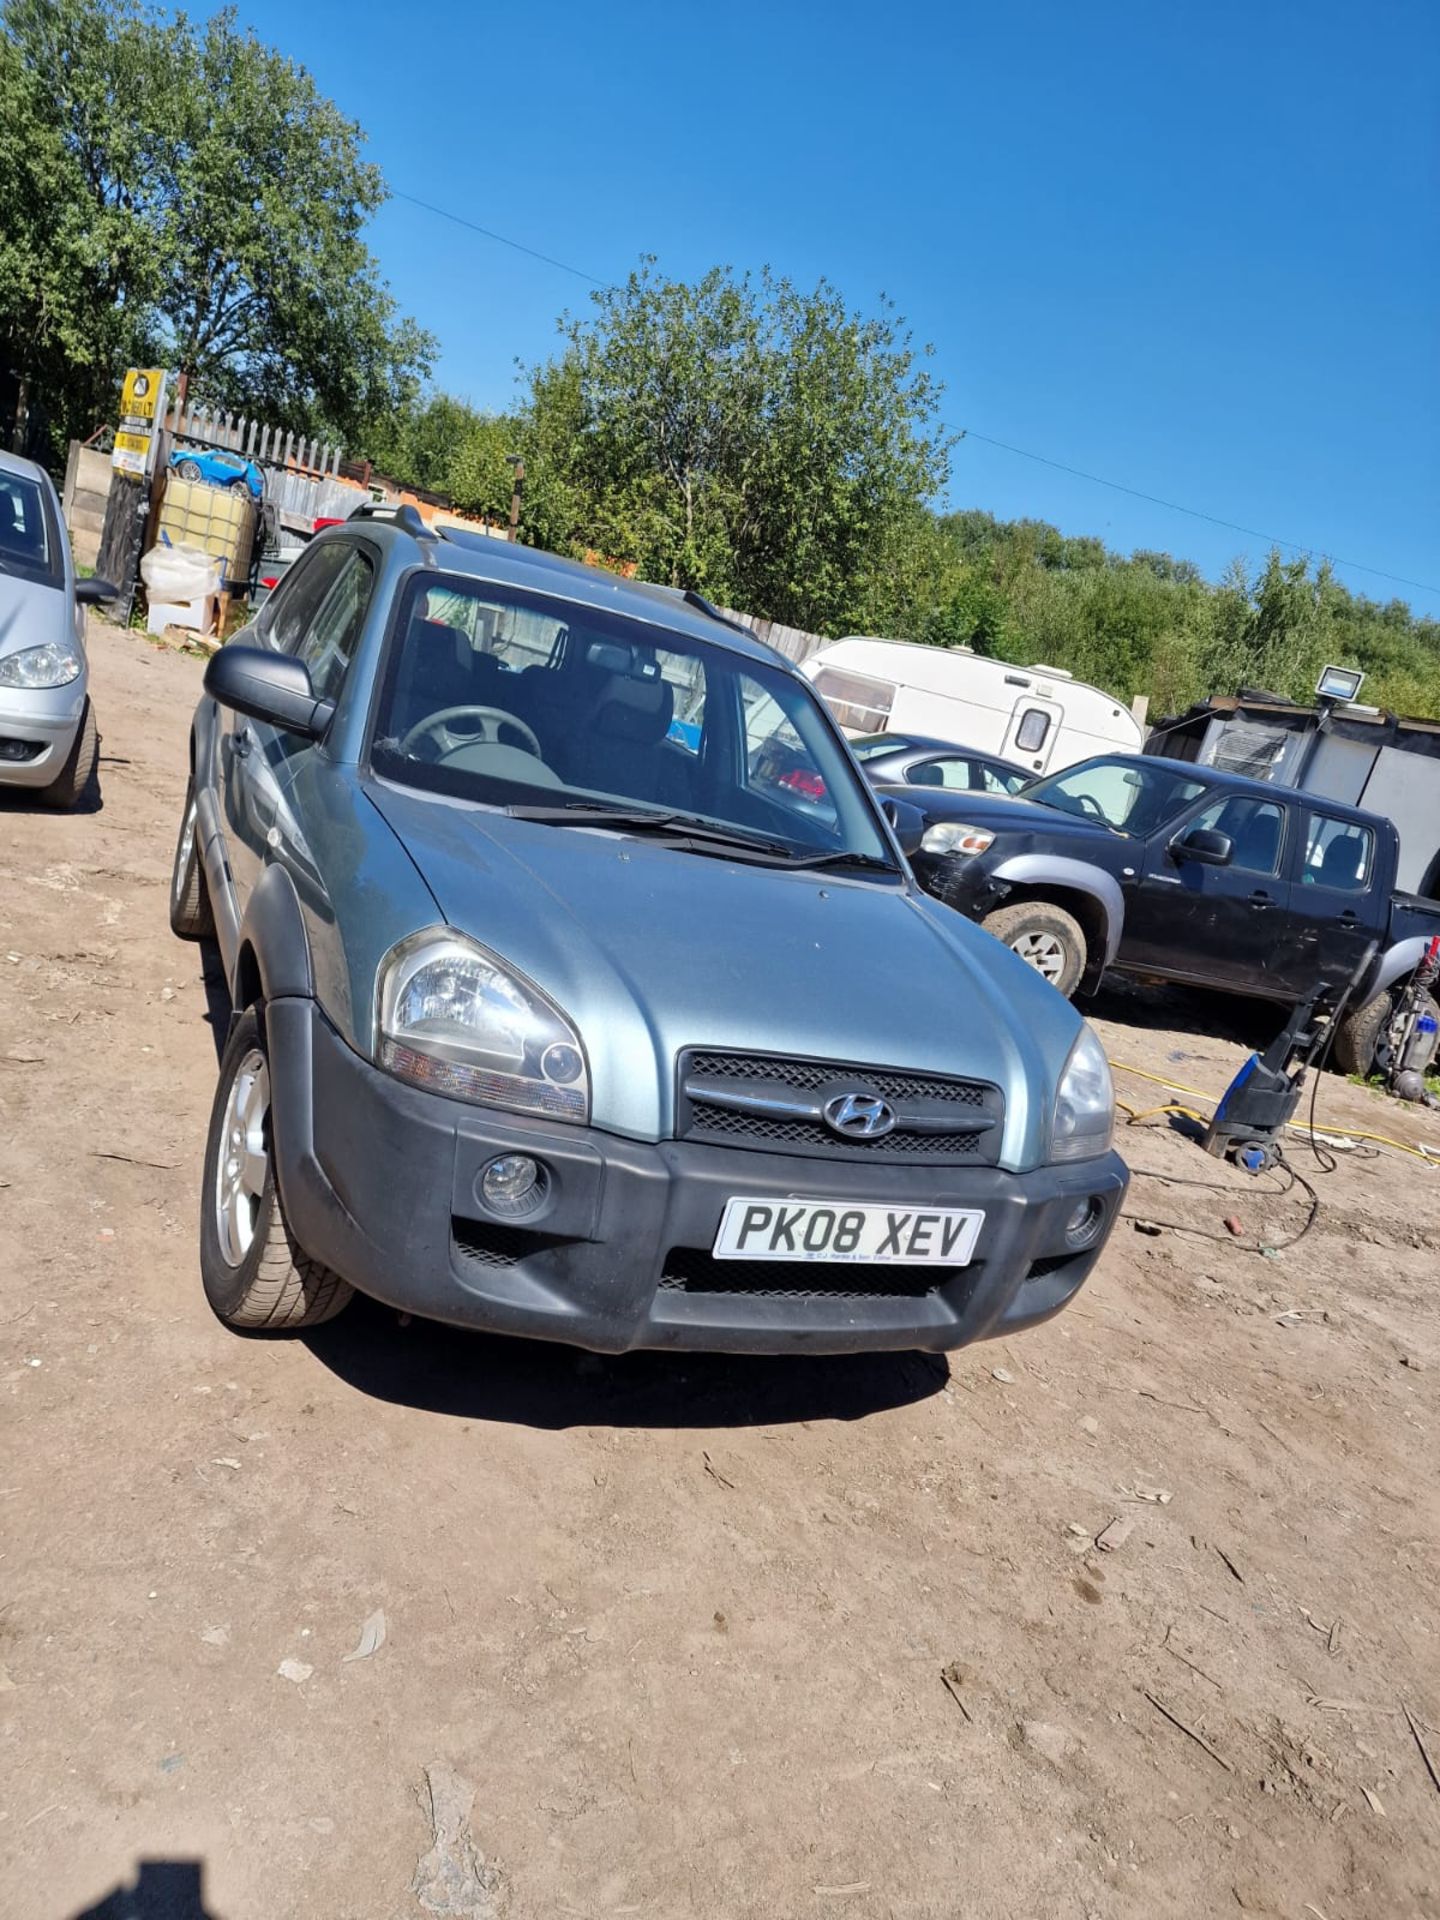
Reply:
x=453 y=1018
x=55 y=664
x=1084 y=1122
x=951 y=836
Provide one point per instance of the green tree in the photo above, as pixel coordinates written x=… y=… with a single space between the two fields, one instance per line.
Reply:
x=737 y=435
x=187 y=191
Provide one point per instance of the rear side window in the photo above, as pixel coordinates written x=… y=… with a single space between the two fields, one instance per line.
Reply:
x=857 y=701
x=327 y=646
x=941 y=773
x=1338 y=854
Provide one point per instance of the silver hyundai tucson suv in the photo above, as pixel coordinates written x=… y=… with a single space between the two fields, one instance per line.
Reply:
x=562 y=1009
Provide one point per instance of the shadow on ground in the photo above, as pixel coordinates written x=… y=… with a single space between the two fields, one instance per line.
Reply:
x=211 y=969
x=1188 y=1010
x=533 y=1383
x=163 y=1890
x=27 y=800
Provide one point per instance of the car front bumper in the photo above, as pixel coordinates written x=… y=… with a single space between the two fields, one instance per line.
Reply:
x=381 y=1181
x=37 y=731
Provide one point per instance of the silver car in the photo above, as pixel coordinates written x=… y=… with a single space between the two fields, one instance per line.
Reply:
x=555 y=1019
x=48 y=740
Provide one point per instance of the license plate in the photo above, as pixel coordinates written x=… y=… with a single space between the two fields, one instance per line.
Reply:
x=831 y=1230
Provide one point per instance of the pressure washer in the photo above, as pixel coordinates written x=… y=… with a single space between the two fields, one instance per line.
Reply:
x=1261 y=1101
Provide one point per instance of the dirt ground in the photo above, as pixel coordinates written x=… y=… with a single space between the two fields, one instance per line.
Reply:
x=671 y=1636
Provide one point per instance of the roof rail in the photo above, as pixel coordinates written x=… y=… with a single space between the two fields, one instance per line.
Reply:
x=405 y=516
x=698 y=600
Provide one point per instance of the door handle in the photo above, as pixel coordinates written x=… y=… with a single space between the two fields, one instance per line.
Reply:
x=1350 y=917
x=1262 y=899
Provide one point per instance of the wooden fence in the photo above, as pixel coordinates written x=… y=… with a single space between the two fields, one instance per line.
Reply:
x=793 y=642
x=213 y=428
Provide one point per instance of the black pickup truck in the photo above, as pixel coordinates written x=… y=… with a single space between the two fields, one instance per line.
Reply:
x=1166 y=870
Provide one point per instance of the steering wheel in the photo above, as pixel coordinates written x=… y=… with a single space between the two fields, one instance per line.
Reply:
x=1090 y=806
x=486 y=732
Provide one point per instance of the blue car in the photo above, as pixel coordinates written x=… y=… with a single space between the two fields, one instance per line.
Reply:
x=219 y=469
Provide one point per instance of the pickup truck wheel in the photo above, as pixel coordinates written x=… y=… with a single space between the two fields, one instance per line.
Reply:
x=1362 y=1043
x=190 y=914
x=255 y=1274
x=1045 y=937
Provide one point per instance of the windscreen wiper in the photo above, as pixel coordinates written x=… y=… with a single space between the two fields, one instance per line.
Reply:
x=700 y=836
x=676 y=826
x=841 y=857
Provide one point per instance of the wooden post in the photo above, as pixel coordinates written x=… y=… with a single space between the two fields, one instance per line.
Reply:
x=121 y=541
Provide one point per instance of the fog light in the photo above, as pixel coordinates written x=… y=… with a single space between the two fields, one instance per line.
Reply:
x=513 y=1184
x=1083 y=1223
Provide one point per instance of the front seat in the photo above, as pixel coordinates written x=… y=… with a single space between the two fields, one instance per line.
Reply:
x=617 y=749
x=441 y=669
x=1257 y=838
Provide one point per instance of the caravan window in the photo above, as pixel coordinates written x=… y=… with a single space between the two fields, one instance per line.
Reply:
x=857 y=701
x=1033 y=731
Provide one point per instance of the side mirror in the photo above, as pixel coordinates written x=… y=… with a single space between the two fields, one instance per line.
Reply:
x=1205 y=846
x=268 y=686
x=908 y=822
x=94 y=593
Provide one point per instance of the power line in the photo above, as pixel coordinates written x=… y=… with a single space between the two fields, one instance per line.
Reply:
x=444 y=213
x=1023 y=453
x=1173 y=506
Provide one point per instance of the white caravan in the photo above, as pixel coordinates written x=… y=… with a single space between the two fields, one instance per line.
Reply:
x=1039 y=717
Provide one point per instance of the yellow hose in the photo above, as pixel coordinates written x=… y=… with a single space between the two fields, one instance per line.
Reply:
x=1294 y=1126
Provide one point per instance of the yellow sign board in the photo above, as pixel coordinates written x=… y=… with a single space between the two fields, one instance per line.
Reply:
x=141 y=392
x=142 y=412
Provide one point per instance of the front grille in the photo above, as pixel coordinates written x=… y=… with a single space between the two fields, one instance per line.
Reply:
x=485 y=1243
x=690 y=1270
x=739 y=1100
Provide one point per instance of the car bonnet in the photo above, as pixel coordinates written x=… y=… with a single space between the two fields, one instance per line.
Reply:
x=650 y=949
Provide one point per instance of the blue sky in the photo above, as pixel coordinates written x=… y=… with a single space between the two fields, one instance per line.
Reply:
x=1191 y=249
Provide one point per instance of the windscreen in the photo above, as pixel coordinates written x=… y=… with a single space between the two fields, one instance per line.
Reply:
x=29 y=544
x=1132 y=795
x=872 y=744
x=512 y=698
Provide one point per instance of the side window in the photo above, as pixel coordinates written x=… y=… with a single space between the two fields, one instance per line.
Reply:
x=940 y=773
x=857 y=701
x=1034 y=731
x=1338 y=854
x=778 y=764
x=987 y=780
x=300 y=595
x=328 y=644
x=1254 y=827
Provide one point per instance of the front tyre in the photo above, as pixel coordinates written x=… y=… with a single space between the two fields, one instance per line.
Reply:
x=76 y=777
x=1045 y=937
x=254 y=1273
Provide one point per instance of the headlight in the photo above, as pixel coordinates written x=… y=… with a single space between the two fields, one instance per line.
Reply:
x=952 y=837
x=55 y=664
x=1084 y=1123
x=454 y=1019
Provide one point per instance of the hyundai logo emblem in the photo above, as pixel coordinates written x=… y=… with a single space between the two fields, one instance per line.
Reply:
x=858 y=1116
